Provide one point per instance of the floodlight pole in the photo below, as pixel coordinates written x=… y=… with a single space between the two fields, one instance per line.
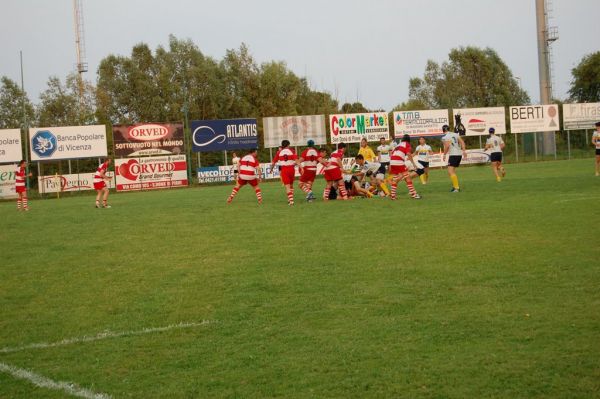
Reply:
x=25 y=122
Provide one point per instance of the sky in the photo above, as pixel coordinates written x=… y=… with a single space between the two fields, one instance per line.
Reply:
x=356 y=50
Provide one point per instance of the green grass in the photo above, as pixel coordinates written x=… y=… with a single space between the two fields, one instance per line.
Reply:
x=492 y=292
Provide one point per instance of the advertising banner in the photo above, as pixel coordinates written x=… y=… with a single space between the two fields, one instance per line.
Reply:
x=10 y=145
x=72 y=182
x=477 y=121
x=297 y=129
x=224 y=134
x=148 y=139
x=352 y=128
x=7 y=181
x=420 y=123
x=580 y=116
x=218 y=174
x=67 y=142
x=534 y=118
x=151 y=173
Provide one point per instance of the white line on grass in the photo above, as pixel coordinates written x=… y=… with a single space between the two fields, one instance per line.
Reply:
x=43 y=382
x=105 y=335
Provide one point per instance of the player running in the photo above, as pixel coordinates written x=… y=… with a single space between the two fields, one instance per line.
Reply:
x=100 y=186
x=423 y=151
x=454 y=146
x=495 y=144
x=307 y=164
x=286 y=160
x=20 y=187
x=596 y=142
x=398 y=168
x=333 y=173
x=249 y=174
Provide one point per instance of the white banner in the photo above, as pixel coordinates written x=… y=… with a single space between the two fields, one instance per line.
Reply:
x=220 y=174
x=151 y=173
x=72 y=182
x=352 y=128
x=420 y=123
x=534 y=118
x=7 y=181
x=477 y=121
x=580 y=116
x=10 y=145
x=67 y=142
x=297 y=129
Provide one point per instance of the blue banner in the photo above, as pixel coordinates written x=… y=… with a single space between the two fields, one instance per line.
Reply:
x=224 y=134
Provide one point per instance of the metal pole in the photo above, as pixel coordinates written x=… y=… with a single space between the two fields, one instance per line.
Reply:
x=198 y=154
x=535 y=148
x=569 y=143
x=554 y=140
x=25 y=123
x=69 y=166
x=480 y=145
x=225 y=154
x=517 y=147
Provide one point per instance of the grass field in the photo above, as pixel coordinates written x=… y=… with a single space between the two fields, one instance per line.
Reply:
x=492 y=292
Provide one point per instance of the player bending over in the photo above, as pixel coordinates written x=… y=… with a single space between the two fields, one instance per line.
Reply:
x=249 y=173
x=333 y=173
x=398 y=168
x=100 y=186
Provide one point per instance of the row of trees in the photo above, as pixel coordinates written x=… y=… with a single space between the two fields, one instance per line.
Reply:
x=170 y=83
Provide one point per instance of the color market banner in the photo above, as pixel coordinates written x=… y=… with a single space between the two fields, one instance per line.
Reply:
x=7 y=181
x=352 y=128
x=224 y=134
x=148 y=139
x=151 y=173
x=420 y=123
x=10 y=145
x=580 y=116
x=534 y=118
x=72 y=182
x=477 y=121
x=67 y=142
x=297 y=129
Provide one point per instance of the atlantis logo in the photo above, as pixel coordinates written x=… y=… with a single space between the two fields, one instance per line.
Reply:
x=205 y=135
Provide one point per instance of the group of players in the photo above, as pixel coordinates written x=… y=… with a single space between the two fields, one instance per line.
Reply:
x=368 y=176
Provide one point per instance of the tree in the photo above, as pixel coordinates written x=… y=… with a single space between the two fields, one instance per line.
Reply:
x=354 y=108
x=11 y=105
x=60 y=104
x=472 y=77
x=585 y=86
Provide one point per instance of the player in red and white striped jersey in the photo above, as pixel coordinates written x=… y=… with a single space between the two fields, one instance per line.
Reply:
x=249 y=173
x=333 y=173
x=20 y=187
x=308 y=169
x=100 y=180
x=398 y=168
x=286 y=160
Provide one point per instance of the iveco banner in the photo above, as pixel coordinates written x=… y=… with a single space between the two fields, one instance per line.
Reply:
x=10 y=145
x=352 y=128
x=224 y=134
x=67 y=142
x=297 y=129
x=148 y=139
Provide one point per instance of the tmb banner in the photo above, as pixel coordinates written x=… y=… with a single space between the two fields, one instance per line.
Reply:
x=297 y=129
x=224 y=134
x=67 y=142
x=420 y=123
x=148 y=139
x=151 y=173
x=72 y=182
x=352 y=128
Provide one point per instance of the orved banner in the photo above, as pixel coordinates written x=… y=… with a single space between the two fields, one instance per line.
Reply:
x=148 y=139
x=151 y=173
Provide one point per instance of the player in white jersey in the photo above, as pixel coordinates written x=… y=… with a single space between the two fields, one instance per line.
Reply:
x=495 y=145
x=596 y=143
x=454 y=148
x=235 y=162
x=422 y=152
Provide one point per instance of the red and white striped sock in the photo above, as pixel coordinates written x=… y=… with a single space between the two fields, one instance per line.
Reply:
x=343 y=191
x=411 y=187
x=290 y=195
x=18 y=204
x=326 y=193
x=393 y=191
x=233 y=193
x=258 y=195
x=25 y=206
x=304 y=187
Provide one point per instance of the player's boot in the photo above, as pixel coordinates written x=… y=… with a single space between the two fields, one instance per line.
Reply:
x=455 y=190
x=416 y=196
